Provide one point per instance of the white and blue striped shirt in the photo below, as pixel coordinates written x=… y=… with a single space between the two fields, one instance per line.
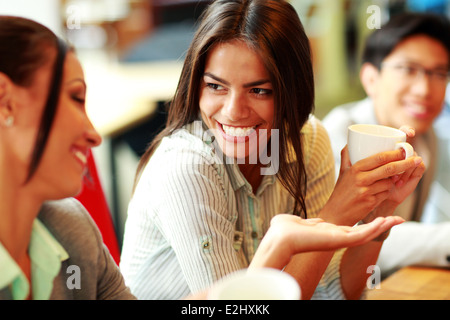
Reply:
x=194 y=218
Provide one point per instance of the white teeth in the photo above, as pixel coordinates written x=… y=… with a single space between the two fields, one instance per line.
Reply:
x=418 y=108
x=80 y=155
x=238 y=131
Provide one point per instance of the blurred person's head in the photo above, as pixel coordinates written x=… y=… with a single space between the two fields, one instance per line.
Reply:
x=272 y=33
x=45 y=134
x=405 y=69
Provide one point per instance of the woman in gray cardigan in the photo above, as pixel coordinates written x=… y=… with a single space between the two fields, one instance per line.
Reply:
x=48 y=249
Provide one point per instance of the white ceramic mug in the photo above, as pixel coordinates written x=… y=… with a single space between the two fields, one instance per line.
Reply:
x=365 y=140
x=256 y=284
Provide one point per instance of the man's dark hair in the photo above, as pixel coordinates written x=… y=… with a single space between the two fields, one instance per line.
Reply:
x=383 y=41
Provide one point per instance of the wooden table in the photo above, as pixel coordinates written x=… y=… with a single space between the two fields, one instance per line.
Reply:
x=414 y=283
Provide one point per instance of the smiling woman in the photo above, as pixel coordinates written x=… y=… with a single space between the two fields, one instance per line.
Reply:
x=201 y=207
x=236 y=101
x=66 y=151
x=49 y=246
x=45 y=137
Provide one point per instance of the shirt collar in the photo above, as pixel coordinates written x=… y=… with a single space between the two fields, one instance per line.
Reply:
x=236 y=177
x=238 y=180
x=46 y=255
x=199 y=128
x=10 y=274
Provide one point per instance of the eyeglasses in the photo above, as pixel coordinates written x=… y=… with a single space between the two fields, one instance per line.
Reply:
x=411 y=72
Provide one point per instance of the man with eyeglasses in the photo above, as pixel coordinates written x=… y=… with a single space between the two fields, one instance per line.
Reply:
x=438 y=205
x=404 y=72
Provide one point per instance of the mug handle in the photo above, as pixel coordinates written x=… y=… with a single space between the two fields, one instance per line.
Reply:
x=409 y=151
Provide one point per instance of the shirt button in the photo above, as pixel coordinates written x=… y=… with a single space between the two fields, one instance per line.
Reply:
x=254 y=234
x=206 y=245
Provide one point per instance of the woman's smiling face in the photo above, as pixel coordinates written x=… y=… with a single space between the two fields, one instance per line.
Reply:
x=64 y=161
x=236 y=98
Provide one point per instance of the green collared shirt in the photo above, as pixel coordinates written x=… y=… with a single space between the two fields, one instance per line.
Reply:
x=46 y=255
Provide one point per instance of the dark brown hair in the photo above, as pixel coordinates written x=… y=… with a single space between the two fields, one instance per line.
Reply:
x=24 y=48
x=404 y=25
x=273 y=29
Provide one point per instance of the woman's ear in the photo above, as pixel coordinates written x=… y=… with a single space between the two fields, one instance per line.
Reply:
x=5 y=97
x=369 y=77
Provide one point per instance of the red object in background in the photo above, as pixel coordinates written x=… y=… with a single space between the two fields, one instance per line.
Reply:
x=93 y=199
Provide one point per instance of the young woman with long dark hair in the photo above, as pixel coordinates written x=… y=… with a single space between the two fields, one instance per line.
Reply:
x=241 y=145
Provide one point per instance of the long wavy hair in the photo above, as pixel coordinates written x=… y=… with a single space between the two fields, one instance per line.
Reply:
x=273 y=29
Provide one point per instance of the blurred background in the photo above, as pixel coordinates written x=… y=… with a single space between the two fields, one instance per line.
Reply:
x=132 y=52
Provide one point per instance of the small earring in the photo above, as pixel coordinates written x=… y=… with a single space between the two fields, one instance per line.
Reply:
x=9 y=121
